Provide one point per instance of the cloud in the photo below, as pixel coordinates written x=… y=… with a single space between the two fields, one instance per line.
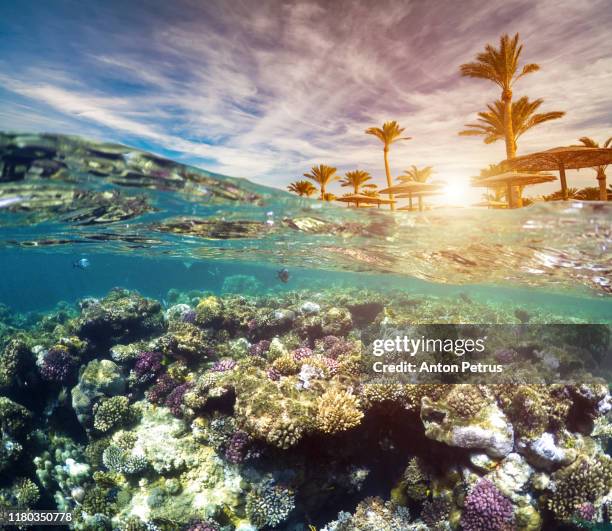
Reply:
x=264 y=91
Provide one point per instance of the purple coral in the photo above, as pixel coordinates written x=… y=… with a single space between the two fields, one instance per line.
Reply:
x=202 y=525
x=58 y=366
x=259 y=348
x=487 y=509
x=237 y=448
x=189 y=316
x=335 y=346
x=148 y=364
x=163 y=387
x=586 y=512
x=224 y=365
x=273 y=374
x=174 y=401
x=331 y=364
x=301 y=353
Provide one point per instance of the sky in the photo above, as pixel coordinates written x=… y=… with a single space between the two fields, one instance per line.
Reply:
x=266 y=89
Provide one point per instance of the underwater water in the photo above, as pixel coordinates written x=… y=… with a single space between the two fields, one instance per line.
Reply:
x=183 y=350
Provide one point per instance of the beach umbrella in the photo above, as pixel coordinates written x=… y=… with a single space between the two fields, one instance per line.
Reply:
x=362 y=198
x=419 y=195
x=491 y=204
x=561 y=159
x=510 y=179
x=411 y=188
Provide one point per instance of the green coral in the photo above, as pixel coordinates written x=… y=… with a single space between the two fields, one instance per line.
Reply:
x=209 y=311
x=12 y=358
x=15 y=419
x=111 y=413
x=416 y=480
x=26 y=493
x=97 y=501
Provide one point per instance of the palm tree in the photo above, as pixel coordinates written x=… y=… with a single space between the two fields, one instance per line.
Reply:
x=389 y=133
x=501 y=66
x=524 y=117
x=357 y=179
x=322 y=175
x=302 y=188
x=372 y=192
x=417 y=175
x=601 y=170
x=572 y=193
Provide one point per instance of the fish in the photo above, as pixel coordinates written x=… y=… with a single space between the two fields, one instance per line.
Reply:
x=8 y=201
x=283 y=275
x=83 y=263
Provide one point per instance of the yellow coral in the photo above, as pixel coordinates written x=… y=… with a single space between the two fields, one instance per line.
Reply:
x=286 y=365
x=337 y=411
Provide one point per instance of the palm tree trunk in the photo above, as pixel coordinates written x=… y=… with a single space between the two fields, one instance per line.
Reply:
x=388 y=172
x=601 y=179
x=508 y=129
x=322 y=192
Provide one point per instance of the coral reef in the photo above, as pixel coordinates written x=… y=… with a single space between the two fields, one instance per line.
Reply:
x=243 y=412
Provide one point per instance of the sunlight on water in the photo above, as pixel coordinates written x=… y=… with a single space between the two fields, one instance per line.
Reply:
x=69 y=196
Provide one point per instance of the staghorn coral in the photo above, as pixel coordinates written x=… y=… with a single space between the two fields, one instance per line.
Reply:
x=487 y=509
x=584 y=481
x=337 y=411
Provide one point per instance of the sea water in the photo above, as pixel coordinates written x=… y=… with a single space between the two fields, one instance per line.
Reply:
x=176 y=234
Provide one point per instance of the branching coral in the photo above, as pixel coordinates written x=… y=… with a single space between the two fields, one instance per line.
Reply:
x=269 y=504
x=337 y=411
x=586 y=480
x=416 y=480
x=112 y=413
x=122 y=461
x=59 y=365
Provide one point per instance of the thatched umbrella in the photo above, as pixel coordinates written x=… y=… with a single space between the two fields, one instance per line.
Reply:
x=362 y=198
x=411 y=188
x=419 y=195
x=561 y=159
x=510 y=179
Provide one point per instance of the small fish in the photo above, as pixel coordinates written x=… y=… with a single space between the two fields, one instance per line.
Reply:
x=283 y=275
x=83 y=263
x=522 y=315
x=8 y=201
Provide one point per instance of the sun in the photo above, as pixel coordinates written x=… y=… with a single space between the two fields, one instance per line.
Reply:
x=456 y=193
